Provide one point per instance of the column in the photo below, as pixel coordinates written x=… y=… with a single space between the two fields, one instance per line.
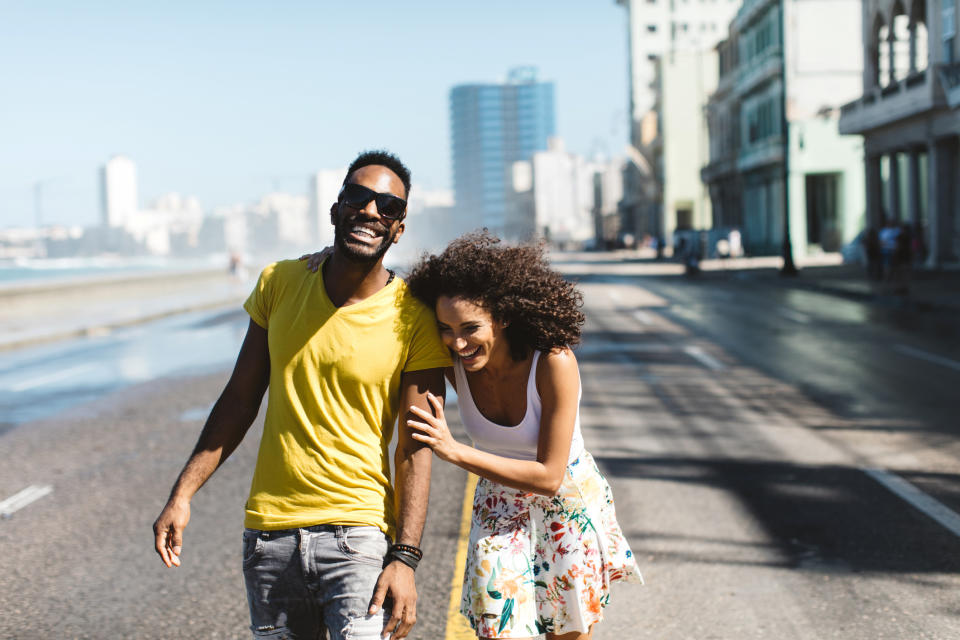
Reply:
x=893 y=189
x=874 y=182
x=941 y=170
x=913 y=47
x=892 y=47
x=913 y=187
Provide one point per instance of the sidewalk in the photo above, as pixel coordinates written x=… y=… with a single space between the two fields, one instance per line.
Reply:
x=43 y=312
x=928 y=290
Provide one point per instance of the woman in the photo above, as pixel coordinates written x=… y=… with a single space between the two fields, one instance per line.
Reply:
x=544 y=540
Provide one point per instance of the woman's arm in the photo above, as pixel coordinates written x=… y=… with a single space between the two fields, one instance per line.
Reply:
x=558 y=381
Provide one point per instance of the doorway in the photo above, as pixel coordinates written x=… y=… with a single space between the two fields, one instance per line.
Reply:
x=823 y=211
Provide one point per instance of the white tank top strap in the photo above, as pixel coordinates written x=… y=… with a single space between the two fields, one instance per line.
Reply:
x=518 y=441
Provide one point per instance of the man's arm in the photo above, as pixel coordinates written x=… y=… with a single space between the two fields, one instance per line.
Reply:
x=229 y=421
x=412 y=463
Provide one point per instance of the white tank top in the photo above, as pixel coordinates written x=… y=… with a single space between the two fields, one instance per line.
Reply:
x=518 y=441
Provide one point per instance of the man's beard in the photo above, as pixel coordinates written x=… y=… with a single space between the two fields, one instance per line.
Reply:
x=357 y=253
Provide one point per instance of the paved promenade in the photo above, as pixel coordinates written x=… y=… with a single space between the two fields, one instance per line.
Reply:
x=784 y=461
x=42 y=312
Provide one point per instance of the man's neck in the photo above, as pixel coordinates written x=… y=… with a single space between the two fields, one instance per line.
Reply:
x=348 y=282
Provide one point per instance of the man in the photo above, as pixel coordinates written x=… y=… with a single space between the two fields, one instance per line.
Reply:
x=341 y=351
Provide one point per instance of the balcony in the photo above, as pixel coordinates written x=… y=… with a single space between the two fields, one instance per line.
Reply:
x=763 y=153
x=766 y=67
x=950 y=79
x=749 y=12
x=915 y=95
x=719 y=168
x=725 y=85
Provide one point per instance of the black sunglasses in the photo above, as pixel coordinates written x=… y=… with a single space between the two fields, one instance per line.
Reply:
x=356 y=196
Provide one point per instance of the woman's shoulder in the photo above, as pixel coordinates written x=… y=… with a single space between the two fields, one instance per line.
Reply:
x=557 y=364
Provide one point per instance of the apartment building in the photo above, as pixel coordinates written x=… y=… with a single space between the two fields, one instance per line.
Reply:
x=909 y=119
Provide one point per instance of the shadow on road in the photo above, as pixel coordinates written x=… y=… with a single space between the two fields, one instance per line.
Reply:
x=822 y=518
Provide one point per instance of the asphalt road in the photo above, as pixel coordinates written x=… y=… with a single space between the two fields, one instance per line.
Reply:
x=736 y=421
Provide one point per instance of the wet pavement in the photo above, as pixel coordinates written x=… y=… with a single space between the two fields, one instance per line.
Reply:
x=40 y=381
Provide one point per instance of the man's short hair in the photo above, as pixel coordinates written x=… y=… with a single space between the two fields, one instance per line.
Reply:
x=383 y=158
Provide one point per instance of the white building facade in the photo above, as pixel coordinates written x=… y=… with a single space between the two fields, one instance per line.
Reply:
x=553 y=198
x=688 y=79
x=323 y=190
x=908 y=113
x=799 y=52
x=671 y=44
x=118 y=191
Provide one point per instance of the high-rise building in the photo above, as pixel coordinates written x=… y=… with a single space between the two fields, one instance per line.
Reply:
x=493 y=126
x=118 y=191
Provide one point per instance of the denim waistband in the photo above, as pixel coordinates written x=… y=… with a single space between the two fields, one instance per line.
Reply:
x=338 y=529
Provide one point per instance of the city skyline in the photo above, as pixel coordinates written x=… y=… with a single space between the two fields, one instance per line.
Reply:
x=228 y=102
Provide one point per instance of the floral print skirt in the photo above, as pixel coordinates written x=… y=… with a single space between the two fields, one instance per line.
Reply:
x=539 y=564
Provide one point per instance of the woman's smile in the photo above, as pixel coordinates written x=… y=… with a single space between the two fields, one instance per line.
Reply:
x=470 y=332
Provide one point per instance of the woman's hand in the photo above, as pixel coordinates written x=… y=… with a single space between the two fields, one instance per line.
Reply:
x=314 y=260
x=433 y=430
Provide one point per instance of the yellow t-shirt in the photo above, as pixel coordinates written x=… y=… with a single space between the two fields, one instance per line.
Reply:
x=333 y=398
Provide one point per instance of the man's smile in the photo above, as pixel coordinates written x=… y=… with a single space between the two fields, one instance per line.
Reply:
x=364 y=233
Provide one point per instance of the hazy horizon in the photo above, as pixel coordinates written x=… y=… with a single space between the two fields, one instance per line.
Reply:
x=230 y=101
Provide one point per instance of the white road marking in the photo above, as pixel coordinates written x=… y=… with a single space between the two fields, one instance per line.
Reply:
x=643 y=317
x=703 y=357
x=56 y=376
x=929 y=357
x=920 y=500
x=796 y=316
x=19 y=500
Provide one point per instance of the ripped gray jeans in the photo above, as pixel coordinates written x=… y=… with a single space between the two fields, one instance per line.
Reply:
x=304 y=583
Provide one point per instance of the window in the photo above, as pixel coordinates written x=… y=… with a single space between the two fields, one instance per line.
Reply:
x=948 y=17
x=652 y=28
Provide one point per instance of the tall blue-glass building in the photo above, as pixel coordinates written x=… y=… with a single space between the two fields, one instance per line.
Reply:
x=493 y=126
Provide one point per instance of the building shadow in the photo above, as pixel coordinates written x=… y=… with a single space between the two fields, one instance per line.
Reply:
x=820 y=517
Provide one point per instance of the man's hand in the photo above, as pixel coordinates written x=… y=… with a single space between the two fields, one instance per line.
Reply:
x=168 y=530
x=396 y=582
x=314 y=260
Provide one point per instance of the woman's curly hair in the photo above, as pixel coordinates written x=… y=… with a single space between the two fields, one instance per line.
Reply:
x=514 y=283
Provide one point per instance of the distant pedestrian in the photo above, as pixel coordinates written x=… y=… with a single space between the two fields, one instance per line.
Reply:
x=919 y=244
x=344 y=352
x=544 y=540
x=888 y=246
x=736 y=243
x=903 y=261
x=871 y=251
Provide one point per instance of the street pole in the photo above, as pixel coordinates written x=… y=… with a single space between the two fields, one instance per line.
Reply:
x=789 y=269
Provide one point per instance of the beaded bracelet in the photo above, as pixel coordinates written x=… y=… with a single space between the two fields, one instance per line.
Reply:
x=409 y=548
x=405 y=557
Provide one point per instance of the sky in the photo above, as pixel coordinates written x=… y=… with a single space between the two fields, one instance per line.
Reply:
x=231 y=100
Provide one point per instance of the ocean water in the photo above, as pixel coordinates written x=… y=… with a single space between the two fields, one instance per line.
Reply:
x=44 y=269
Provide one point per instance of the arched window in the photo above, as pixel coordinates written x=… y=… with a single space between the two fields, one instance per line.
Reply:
x=900 y=43
x=882 y=53
x=919 y=47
